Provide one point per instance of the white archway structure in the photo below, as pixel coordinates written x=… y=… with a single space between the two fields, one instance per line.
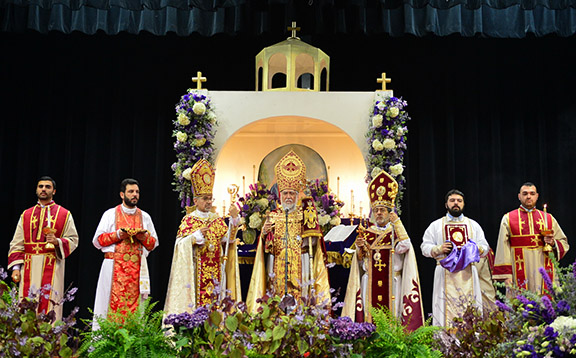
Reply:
x=251 y=124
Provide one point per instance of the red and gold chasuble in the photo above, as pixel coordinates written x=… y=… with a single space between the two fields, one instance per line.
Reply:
x=207 y=258
x=125 y=291
x=34 y=220
x=379 y=264
x=525 y=234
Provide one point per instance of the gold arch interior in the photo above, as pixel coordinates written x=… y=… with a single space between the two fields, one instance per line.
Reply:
x=239 y=158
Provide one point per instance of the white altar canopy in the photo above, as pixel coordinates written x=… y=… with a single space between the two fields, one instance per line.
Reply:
x=334 y=124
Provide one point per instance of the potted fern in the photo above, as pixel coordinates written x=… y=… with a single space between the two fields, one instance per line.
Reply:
x=136 y=334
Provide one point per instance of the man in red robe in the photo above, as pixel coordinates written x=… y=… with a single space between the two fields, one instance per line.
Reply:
x=527 y=236
x=125 y=235
x=45 y=236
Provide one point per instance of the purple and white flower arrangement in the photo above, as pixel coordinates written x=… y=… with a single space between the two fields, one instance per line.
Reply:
x=194 y=129
x=386 y=138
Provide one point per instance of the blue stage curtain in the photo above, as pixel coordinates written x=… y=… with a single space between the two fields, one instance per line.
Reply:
x=489 y=18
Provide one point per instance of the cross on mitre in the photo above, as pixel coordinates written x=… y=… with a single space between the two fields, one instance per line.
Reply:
x=198 y=80
x=383 y=80
x=290 y=167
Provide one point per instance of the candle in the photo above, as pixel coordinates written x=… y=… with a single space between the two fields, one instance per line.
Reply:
x=243 y=185
x=351 y=202
x=49 y=217
x=328 y=176
x=545 y=216
x=253 y=173
x=338 y=187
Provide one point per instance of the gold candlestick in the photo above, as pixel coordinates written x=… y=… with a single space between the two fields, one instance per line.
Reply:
x=233 y=191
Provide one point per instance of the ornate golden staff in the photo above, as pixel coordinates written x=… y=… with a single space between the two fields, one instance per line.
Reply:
x=232 y=190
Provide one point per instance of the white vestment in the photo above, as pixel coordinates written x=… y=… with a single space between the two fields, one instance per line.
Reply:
x=449 y=298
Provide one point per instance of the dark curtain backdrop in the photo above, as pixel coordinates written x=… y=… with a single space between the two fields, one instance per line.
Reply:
x=487 y=115
x=491 y=18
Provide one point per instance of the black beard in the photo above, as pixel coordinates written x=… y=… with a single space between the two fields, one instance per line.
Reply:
x=128 y=202
x=455 y=212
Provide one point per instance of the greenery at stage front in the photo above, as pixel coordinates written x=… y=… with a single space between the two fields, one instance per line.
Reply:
x=26 y=333
x=132 y=335
x=525 y=325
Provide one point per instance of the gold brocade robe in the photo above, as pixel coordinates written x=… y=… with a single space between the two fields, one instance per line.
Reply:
x=298 y=244
x=196 y=268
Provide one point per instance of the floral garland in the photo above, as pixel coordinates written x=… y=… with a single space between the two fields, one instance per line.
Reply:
x=194 y=132
x=327 y=204
x=387 y=140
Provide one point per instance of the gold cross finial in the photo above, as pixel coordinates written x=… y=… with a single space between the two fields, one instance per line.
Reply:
x=383 y=80
x=293 y=28
x=198 y=80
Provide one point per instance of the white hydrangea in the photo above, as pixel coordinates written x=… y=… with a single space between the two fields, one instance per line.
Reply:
x=375 y=172
x=199 y=142
x=396 y=169
x=323 y=219
x=183 y=119
x=199 y=108
x=377 y=121
x=335 y=221
x=393 y=112
x=377 y=145
x=563 y=323
x=181 y=137
x=389 y=144
x=262 y=203
x=255 y=221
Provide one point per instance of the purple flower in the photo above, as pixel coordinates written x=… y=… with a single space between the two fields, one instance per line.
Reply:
x=550 y=333
x=548 y=313
x=562 y=306
x=346 y=330
x=503 y=306
x=547 y=280
x=187 y=319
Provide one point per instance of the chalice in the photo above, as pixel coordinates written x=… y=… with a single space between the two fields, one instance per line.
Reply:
x=49 y=230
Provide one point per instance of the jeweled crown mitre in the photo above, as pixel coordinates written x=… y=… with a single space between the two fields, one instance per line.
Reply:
x=202 y=178
x=382 y=191
x=290 y=173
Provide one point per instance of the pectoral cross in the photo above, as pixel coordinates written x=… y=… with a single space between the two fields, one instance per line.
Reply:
x=198 y=80
x=379 y=265
x=294 y=29
x=383 y=80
